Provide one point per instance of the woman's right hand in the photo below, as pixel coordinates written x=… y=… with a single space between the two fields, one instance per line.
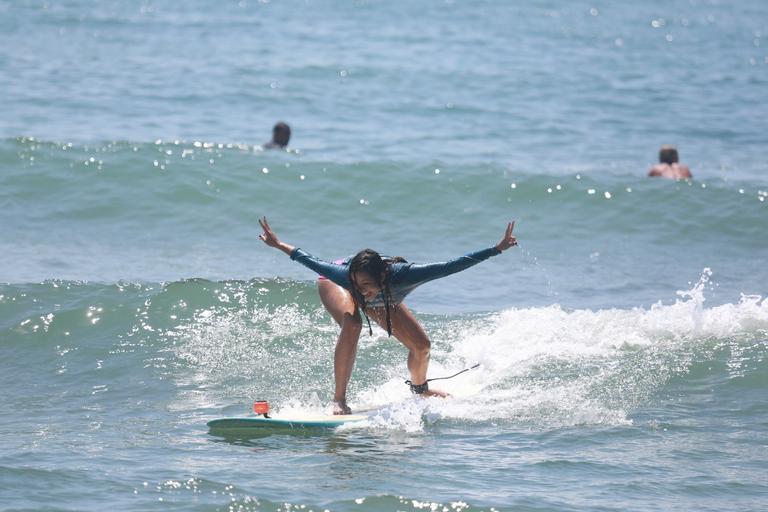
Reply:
x=270 y=238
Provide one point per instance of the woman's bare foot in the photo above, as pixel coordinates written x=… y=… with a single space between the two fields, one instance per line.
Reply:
x=341 y=407
x=435 y=392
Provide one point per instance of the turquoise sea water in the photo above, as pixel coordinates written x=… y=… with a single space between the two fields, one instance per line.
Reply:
x=622 y=345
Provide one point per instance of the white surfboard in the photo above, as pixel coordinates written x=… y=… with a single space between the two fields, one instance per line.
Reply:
x=294 y=421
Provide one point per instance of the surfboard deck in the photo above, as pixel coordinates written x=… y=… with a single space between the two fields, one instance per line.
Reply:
x=297 y=421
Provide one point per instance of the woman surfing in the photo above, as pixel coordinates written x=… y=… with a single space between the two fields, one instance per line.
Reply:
x=377 y=285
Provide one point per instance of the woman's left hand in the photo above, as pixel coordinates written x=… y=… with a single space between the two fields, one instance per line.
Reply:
x=509 y=239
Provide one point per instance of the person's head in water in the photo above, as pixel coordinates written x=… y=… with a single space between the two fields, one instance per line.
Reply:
x=281 y=134
x=369 y=274
x=669 y=165
x=668 y=155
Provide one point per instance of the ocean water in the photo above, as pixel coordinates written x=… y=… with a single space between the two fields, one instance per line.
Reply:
x=623 y=346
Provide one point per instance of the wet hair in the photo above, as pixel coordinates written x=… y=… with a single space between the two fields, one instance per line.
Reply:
x=281 y=134
x=371 y=263
x=668 y=155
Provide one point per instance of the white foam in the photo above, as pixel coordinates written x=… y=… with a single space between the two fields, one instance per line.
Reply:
x=550 y=367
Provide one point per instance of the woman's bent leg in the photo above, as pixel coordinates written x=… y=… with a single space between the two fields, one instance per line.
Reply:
x=410 y=333
x=341 y=306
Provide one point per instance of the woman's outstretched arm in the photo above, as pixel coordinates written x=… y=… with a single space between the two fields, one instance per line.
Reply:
x=336 y=273
x=421 y=273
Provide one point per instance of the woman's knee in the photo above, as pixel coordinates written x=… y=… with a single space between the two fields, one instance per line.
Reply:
x=409 y=331
x=421 y=346
x=336 y=300
x=352 y=323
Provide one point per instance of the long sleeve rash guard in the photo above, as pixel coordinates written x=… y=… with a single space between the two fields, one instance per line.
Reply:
x=403 y=277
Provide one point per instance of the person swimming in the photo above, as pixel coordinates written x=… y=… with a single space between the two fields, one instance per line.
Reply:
x=281 y=134
x=377 y=286
x=668 y=166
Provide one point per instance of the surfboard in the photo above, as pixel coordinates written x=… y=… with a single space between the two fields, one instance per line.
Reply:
x=292 y=422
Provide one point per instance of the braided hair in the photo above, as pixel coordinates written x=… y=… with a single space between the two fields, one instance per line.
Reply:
x=371 y=262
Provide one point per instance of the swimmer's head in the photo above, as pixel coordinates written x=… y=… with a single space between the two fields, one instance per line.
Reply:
x=281 y=134
x=668 y=155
